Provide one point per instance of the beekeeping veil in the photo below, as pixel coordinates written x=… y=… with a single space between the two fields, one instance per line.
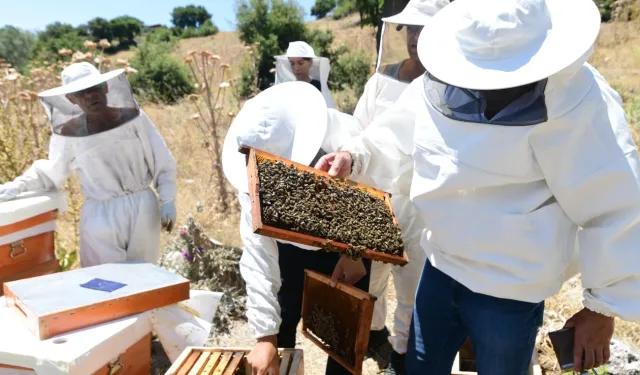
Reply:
x=89 y=102
x=400 y=35
x=319 y=71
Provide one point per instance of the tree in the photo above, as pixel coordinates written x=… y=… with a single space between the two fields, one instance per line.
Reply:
x=16 y=46
x=57 y=36
x=322 y=7
x=190 y=16
x=99 y=28
x=125 y=29
x=273 y=24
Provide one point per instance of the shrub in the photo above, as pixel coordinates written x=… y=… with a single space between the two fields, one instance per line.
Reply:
x=16 y=46
x=160 y=77
x=350 y=71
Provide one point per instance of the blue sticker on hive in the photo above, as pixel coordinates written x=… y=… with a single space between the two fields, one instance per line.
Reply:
x=103 y=285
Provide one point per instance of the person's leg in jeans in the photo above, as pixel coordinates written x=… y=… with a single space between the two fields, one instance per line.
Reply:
x=502 y=331
x=292 y=261
x=436 y=330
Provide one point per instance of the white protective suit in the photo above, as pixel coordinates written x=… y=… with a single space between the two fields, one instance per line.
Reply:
x=502 y=204
x=320 y=68
x=121 y=218
x=292 y=121
x=381 y=92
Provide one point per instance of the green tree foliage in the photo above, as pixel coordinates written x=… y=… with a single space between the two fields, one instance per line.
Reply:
x=100 y=28
x=322 y=7
x=57 y=36
x=125 y=29
x=16 y=46
x=273 y=24
x=192 y=21
x=190 y=16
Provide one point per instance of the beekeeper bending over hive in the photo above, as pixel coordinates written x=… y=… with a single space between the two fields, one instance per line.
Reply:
x=99 y=130
x=300 y=63
x=290 y=120
x=395 y=70
x=516 y=144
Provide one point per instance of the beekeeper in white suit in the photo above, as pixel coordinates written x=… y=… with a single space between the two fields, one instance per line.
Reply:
x=516 y=144
x=395 y=70
x=290 y=120
x=99 y=130
x=300 y=63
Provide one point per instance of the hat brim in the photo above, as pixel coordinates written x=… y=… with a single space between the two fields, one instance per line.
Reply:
x=569 y=39
x=81 y=84
x=408 y=19
x=310 y=123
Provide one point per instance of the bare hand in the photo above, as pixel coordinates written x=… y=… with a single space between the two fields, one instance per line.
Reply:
x=337 y=164
x=348 y=271
x=264 y=359
x=593 y=334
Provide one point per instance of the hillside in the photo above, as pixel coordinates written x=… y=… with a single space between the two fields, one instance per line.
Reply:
x=617 y=57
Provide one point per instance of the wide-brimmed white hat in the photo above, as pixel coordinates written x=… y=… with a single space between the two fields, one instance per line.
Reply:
x=79 y=76
x=288 y=120
x=417 y=12
x=497 y=44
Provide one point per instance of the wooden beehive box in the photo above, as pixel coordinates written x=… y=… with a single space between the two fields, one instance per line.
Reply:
x=124 y=344
x=27 y=226
x=58 y=303
x=135 y=360
x=253 y=158
x=340 y=314
x=230 y=361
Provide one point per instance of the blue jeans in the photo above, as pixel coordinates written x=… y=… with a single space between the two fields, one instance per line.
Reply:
x=502 y=331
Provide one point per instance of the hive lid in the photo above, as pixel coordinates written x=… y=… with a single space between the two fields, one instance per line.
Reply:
x=28 y=205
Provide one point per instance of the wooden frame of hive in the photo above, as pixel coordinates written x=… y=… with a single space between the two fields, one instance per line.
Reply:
x=254 y=155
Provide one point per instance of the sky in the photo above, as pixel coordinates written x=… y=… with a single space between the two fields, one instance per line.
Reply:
x=34 y=15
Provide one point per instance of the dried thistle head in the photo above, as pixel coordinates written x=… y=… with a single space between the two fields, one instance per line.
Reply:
x=231 y=114
x=215 y=57
x=65 y=52
x=224 y=85
x=106 y=61
x=104 y=43
x=2 y=60
x=130 y=70
x=225 y=66
x=194 y=97
x=78 y=56
x=188 y=60
x=195 y=116
x=205 y=53
x=192 y=52
x=89 y=45
x=122 y=62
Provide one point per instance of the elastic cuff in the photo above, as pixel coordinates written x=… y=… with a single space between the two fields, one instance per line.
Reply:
x=598 y=307
x=356 y=165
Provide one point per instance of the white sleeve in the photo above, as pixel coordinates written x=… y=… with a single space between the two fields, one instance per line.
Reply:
x=366 y=107
x=52 y=173
x=591 y=165
x=261 y=273
x=162 y=161
x=384 y=150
